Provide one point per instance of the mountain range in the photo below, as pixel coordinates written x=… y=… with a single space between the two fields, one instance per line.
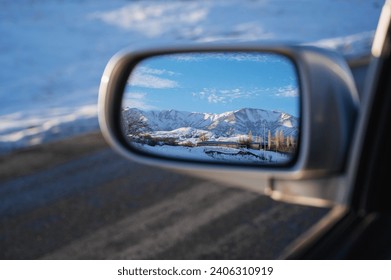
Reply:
x=181 y=124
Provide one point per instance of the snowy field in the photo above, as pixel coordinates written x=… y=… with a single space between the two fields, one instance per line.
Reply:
x=222 y=154
x=53 y=52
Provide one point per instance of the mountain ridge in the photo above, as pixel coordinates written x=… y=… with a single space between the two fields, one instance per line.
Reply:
x=226 y=124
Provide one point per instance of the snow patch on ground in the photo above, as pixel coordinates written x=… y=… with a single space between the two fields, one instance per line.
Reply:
x=220 y=154
x=351 y=46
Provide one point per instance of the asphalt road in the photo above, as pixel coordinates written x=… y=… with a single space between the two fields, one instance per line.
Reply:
x=77 y=199
x=61 y=203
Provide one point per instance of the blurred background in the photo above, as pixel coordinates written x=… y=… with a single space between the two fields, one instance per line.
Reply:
x=53 y=53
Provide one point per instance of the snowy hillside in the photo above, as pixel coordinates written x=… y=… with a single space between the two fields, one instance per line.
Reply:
x=214 y=137
x=53 y=53
x=228 y=126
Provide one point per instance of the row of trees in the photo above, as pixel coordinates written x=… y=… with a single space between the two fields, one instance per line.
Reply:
x=278 y=142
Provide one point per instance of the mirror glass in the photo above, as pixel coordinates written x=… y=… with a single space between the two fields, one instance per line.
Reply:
x=234 y=107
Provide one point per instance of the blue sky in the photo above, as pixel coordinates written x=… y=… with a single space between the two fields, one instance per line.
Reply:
x=214 y=83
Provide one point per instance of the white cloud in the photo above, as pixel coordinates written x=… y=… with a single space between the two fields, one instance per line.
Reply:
x=152 y=19
x=287 y=91
x=154 y=71
x=150 y=81
x=148 y=78
x=215 y=98
x=137 y=100
x=245 y=56
x=222 y=95
x=213 y=95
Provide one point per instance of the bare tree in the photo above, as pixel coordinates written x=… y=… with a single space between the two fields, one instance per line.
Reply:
x=269 y=140
x=133 y=123
x=277 y=139
x=281 y=138
x=203 y=137
x=292 y=141
x=250 y=137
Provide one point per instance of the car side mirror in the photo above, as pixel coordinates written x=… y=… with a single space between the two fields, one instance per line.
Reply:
x=275 y=120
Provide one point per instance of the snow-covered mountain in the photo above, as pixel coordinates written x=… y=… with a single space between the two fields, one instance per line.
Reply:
x=185 y=125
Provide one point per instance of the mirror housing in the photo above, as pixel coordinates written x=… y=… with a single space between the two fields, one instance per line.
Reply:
x=329 y=106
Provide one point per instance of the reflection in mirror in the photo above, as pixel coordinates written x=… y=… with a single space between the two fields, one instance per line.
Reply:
x=236 y=107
